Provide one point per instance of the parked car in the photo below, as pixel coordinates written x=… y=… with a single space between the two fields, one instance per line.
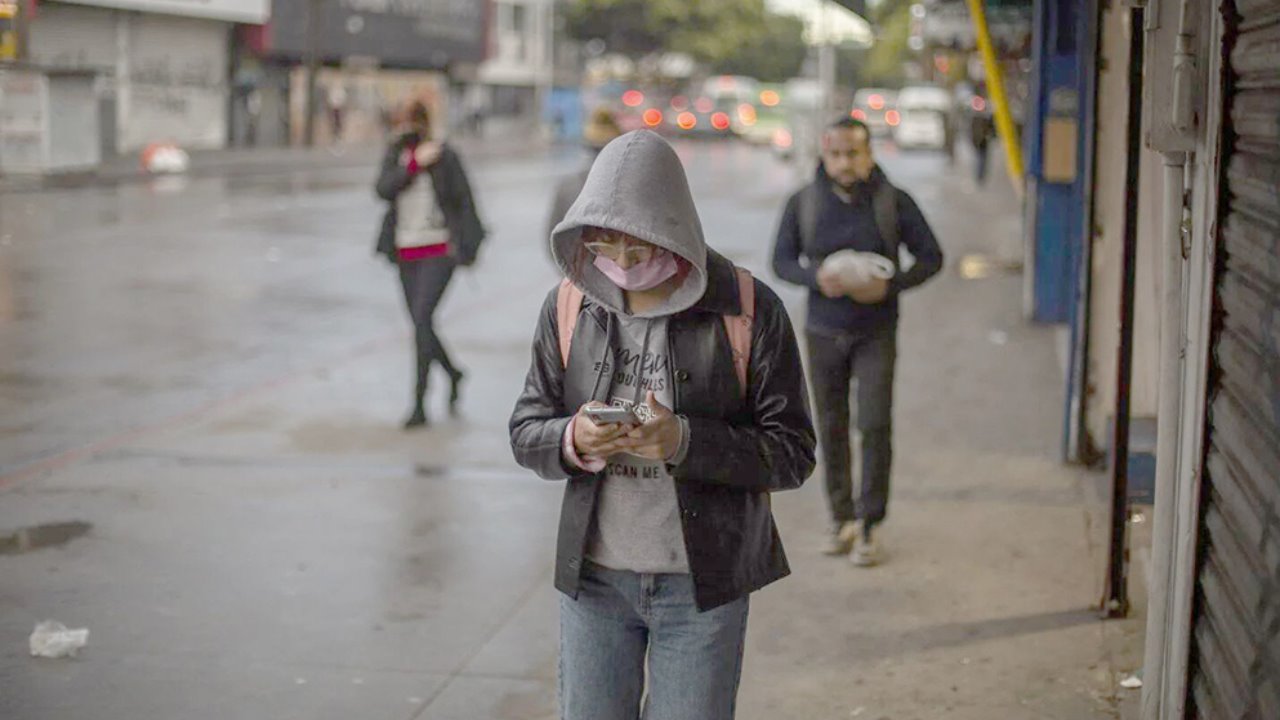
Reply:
x=759 y=120
x=698 y=117
x=877 y=108
x=923 y=115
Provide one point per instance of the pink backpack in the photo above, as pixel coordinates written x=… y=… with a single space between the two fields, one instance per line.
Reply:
x=569 y=305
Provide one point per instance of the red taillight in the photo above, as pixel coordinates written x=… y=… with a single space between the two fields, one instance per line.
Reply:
x=893 y=118
x=632 y=98
x=876 y=102
x=747 y=114
x=769 y=98
x=858 y=115
x=687 y=121
x=704 y=105
x=978 y=104
x=720 y=121
x=653 y=117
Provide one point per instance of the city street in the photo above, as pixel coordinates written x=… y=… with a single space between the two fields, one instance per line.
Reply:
x=209 y=375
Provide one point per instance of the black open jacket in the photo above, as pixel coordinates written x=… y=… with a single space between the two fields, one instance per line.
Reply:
x=453 y=193
x=742 y=446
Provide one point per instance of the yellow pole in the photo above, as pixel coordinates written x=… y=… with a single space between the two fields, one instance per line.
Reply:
x=995 y=86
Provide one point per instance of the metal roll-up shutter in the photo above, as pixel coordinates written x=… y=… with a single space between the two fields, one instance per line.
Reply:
x=1235 y=654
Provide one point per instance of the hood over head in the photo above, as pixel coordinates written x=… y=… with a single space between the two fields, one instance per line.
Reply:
x=636 y=186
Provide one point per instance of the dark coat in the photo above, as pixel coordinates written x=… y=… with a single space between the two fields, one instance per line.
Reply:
x=838 y=225
x=453 y=193
x=742 y=446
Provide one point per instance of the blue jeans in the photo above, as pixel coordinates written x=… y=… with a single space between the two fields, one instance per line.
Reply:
x=695 y=659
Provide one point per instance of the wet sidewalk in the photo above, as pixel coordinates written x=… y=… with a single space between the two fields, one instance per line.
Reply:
x=986 y=607
x=218 y=403
x=259 y=161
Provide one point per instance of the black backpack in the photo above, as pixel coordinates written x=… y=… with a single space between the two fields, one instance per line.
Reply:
x=885 y=205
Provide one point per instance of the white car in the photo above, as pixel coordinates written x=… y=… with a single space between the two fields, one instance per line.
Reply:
x=922 y=121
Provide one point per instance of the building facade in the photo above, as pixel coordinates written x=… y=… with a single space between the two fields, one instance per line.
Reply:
x=161 y=64
x=1178 y=276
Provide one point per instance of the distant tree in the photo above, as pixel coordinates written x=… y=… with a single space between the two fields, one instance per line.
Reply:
x=737 y=36
x=776 y=55
x=892 y=23
x=627 y=27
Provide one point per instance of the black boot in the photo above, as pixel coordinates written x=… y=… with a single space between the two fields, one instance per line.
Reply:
x=455 y=391
x=418 y=418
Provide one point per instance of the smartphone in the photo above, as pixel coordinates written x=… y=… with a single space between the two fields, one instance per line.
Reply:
x=608 y=415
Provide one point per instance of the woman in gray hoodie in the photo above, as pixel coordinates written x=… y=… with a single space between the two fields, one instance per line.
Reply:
x=666 y=525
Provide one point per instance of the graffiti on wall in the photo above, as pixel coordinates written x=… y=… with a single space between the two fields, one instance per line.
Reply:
x=22 y=121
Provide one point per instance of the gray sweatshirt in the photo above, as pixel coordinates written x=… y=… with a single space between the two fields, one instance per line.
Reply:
x=637 y=515
x=638 y=186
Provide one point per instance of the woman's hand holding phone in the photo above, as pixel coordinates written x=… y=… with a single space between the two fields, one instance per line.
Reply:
x=594 y=439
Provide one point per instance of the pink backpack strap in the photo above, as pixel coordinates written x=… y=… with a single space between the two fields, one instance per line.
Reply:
x=568 y=306
x=739 y=327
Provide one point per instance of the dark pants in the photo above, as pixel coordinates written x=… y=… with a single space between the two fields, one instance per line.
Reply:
x=835 y=360
x=424 y=284
x=980 y=168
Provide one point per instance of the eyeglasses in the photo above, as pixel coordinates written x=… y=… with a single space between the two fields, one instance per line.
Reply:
x=615 y=248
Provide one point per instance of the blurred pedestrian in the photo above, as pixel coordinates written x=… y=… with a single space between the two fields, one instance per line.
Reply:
x=430 y=228
x=981 y=129
x=852 y=322
x=337 y=110
x=665 y=527
x=951 y=124
x=601 y=128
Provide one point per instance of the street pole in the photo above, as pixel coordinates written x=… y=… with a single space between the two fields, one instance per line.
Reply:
x=826 y=83
x=995 y=85
x=26 y=10
x=1115 y=604
x=546 y=75
x=313 y=63
x=827 y=65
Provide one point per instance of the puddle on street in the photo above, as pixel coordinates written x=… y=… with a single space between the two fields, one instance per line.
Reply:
x=39 y=537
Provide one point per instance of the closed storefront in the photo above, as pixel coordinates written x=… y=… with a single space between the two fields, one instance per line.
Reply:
x=373 y=57
x=74 y=36
x=1235 y=649
x=162 y=64
x=177 y=85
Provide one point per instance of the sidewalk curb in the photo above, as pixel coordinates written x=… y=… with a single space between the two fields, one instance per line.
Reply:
x=239 y=162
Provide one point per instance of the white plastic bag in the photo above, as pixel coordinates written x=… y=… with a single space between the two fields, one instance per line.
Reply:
x=52 y=639
x=859 y=268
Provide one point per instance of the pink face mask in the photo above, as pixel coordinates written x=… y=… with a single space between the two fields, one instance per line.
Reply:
x=641 y=276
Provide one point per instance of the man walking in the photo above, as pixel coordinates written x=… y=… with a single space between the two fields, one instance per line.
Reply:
x=847 y=216
x=981 y=130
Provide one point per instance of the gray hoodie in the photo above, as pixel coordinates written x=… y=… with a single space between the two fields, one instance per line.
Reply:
x=637 y=186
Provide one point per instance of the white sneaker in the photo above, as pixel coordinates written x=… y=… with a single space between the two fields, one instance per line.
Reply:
x=866 y=552
x=841 y=541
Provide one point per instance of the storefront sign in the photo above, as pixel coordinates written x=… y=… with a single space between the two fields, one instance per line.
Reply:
x=242 y=11
x=401 y=33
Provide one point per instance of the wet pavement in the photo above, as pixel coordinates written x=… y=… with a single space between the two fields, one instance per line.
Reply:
x=201 y=383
